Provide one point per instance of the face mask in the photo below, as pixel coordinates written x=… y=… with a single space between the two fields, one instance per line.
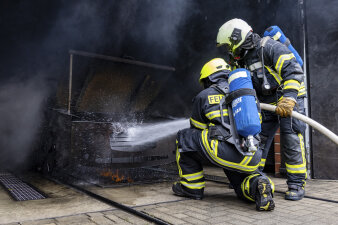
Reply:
x=239 y=53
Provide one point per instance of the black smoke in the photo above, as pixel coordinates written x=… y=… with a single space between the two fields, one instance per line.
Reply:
x=37 y=35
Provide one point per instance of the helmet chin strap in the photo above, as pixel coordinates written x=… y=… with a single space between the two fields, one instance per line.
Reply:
x=241 y=55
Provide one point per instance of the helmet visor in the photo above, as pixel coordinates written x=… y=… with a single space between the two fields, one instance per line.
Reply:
x=225 y=48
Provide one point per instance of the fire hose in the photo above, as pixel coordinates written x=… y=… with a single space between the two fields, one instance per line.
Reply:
x=333 y=137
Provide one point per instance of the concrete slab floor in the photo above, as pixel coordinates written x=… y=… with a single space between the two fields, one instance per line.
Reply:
x=220 y=206
x=62 y=201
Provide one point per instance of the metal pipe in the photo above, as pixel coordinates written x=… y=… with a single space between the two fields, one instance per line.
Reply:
x=307 y=120
x=307 y=137
x=121 y=60
x=70 y=82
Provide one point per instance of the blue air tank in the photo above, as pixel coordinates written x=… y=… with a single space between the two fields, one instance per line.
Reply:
x=277 y=34
x=244 y=108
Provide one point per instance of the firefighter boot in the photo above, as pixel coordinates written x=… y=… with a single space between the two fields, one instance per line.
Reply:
x=264 y=198
x=182 y=191
x=295 y=193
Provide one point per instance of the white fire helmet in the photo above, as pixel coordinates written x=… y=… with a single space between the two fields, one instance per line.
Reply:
x=233 y=33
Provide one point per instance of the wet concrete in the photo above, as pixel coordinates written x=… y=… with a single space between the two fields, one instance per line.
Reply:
x=61 y=201
x=219 y=206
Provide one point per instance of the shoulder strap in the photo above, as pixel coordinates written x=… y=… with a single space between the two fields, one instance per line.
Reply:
x=239 y=93
x=221 y=90
x=233 y=137
x=264 y=40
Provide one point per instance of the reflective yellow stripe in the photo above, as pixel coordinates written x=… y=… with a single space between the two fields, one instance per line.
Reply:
x=272 y=184
x=277 y=36
x=277 y=76
x=198 y=185
x=244 y=193
x=212 y=146
x=197 y=124
x=216 y=148
x=301 y=93
x=246 y=160
x=193 y=176
x=302 y=89
x=221 y=161
x=217 y=113
x=301 y=141
x=295 y=170
x=245 y=186
x=280 y=61
x=178 y=156
x=262 y=162
x=291 y=84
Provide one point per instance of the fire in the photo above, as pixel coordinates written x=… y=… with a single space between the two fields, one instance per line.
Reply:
x=116 y=177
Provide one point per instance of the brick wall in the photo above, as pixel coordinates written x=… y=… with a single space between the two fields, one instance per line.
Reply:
x=277 y=147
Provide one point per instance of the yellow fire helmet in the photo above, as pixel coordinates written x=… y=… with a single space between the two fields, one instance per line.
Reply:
x=232 y=34
x=214 y=65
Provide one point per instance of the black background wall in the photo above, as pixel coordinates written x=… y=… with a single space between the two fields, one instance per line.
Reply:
x=36 y=36
x=322 y=34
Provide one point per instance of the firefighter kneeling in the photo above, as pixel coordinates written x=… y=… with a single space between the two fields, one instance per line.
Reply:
x=212 y=137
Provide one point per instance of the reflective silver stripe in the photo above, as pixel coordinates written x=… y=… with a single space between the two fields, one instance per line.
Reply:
x=277 y=77
x=277 y=36
x=264 y=40
x=236 y=75
x=197 y=124
x=246 y=160
x=193 y=185
x=216 y=113
x=296 y=170
x=194 y=176
x=301 y=168
x=255 y=66
x=262 y=162
x=213 y=145
x=222 y=161
x=281 y=60
x=291 y=84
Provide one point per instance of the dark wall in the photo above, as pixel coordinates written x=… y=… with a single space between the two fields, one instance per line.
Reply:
x=199 y=35
x=322 y=34
x=36 y=36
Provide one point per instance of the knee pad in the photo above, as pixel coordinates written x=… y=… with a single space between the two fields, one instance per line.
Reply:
x=249 y=185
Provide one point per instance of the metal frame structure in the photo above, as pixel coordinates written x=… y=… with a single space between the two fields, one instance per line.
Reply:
x=109 y=58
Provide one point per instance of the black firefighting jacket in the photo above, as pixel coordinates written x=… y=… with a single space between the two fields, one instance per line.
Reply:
x=206 y=115
x=206 y=108
x=282 y=71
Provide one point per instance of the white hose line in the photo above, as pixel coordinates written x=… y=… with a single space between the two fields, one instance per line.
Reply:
x=307 y=120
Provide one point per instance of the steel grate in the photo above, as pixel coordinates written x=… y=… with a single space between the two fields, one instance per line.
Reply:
x=18 y=189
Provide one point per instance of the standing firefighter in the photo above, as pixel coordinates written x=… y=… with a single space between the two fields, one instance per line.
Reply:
x=209 y=139
x=278 y=79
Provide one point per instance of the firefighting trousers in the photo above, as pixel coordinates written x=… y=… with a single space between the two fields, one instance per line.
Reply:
x=190 y=157
x=292 y=143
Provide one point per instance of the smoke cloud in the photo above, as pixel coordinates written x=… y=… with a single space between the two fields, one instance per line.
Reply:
x=21 y=117
x=38 y=37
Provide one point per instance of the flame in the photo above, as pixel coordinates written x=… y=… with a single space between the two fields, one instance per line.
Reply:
x=116 y=177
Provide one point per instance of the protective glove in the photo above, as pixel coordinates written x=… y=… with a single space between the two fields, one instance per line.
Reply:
x=285 y=106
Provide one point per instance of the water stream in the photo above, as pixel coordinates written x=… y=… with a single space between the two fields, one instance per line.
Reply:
x=140 y=134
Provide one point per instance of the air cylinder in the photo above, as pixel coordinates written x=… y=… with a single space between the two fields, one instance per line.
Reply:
x=277 y=34
x=244 y=108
